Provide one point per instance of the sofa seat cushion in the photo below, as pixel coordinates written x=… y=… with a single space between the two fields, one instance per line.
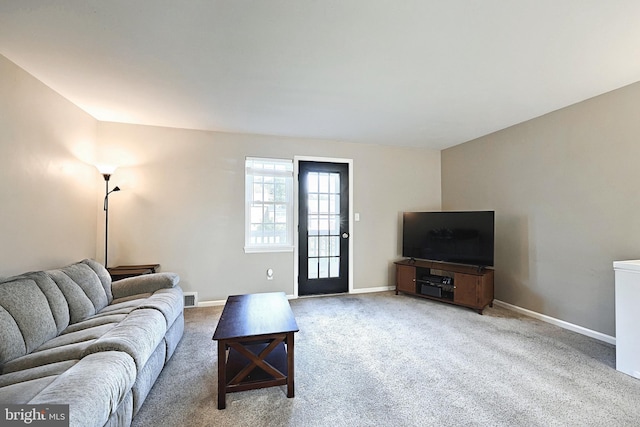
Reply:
x=21 y=386
x=22 y=392
x=44 y=357
x=97 y=320
x=50 y=369
x=67 y=346
x=137 y=335
x=125 y=305
x=93 y=388
x=169 y=302
x=82 y=335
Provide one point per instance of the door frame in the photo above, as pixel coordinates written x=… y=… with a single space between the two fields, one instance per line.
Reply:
x=296 y=223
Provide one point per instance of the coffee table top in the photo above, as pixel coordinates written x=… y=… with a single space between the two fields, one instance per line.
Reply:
x=253 y=315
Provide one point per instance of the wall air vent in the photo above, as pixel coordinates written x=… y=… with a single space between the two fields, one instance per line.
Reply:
x=190 y=299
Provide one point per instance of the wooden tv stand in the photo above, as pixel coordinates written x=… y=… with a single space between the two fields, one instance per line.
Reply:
x=452 y=283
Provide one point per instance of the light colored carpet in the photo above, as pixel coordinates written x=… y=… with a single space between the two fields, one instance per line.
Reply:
x=386 y=360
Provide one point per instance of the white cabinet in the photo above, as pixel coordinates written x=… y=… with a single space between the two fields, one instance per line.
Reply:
x=627 y=275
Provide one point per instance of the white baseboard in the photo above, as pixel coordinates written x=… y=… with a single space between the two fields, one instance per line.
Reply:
x=216 y=303
x=561 y=323
x=212 y=303
x=370 y=290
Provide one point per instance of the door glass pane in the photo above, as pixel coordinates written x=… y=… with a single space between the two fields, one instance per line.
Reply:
x=323 y=246
x=324 y=227
x=312 y=225
x=313 y=203
x=334 y=267
x=334 y=224
x=334 y=203
x=313 y=268
x=324 y=203
x=334 y=183
x=313 y=246
x=323 y=182
x=312 y=182
x=335 y=246
x=323 y=272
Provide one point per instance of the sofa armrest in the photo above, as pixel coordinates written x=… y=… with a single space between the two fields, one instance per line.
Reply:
x=146 y=283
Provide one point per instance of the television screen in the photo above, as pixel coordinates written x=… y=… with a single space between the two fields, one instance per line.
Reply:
x=456 y=237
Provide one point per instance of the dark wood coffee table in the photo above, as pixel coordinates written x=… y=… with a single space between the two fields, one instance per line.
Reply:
x=255 y=344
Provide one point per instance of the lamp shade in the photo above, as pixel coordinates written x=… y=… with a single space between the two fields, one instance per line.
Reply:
x=106 y=169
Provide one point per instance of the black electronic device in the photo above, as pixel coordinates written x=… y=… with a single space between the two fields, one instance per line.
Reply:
x=436 y=286
x=432 y=291
x=462 y=237
x=436 y=280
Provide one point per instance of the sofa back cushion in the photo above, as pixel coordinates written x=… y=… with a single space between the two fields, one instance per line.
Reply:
x=55 y=298
x=83 y=289
x=26 y=319
x=103 y=275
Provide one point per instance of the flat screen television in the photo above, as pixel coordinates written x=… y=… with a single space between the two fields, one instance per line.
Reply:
x=456 y=237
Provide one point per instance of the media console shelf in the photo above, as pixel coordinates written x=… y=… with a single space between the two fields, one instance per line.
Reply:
x=452 y=283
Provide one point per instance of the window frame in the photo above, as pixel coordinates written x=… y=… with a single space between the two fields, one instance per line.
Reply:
x=268 y=206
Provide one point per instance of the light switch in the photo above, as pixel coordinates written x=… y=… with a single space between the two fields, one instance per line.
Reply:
x=356 y=217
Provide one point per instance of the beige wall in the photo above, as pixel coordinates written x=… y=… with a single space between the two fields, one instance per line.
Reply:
x=47 y=190
x=564 y=190
x=182 y=198
x=182 y=204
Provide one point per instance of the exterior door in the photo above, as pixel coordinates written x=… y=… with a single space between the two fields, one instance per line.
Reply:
x=323 y=233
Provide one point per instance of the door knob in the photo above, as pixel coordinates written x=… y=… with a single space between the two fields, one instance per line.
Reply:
x=345 y=235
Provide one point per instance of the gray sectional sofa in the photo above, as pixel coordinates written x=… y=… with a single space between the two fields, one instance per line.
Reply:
x=71 y=336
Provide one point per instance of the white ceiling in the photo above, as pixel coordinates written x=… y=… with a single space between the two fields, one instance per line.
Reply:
x=426 y=73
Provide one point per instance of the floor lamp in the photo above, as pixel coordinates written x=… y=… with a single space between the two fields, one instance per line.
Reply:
x=106 y=172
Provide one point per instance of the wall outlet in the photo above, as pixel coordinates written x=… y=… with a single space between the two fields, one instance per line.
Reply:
x=270 y=274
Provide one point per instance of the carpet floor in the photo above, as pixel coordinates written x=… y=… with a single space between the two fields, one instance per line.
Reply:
x=386 y=360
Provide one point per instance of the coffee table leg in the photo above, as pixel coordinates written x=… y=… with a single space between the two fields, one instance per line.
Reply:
x=290 y=365
x=222 y=374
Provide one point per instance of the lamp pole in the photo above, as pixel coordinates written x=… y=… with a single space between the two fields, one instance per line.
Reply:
x=106 y=215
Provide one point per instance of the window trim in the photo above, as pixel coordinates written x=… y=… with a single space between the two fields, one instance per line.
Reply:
x=269 y=247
